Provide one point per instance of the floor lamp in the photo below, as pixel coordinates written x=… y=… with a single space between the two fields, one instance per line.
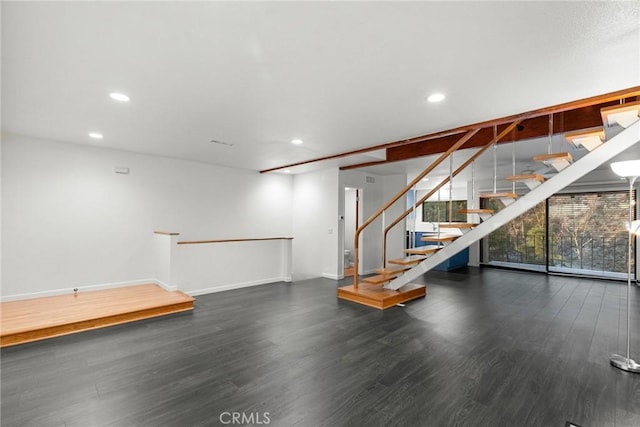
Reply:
x=629 y=169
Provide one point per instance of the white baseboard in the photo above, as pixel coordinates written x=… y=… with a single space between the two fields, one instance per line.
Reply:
x=86 y=288
x=229 y=287
x=331 y=276
x=165 y=286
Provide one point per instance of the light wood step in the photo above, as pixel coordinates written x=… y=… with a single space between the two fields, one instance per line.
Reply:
x=484 y=214
x=558 y=161
x=443 y=238
x=47 y=317
x=505 y=197
x=423 y=250
x=379 y=297
x=379 y=279
x=498 y=196
x=589 y=138
x=457 y=225
x=623 y=114
x=410 y=260
x=531 y=180
x=476 y=211
x=389 y=271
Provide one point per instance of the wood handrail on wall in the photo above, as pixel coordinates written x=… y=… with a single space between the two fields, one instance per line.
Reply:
x=401 y=193
x=430 y=193
x=197 y=242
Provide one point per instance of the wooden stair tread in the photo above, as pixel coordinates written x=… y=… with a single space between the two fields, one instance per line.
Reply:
x=440 y=239
x=379 y=279
x=596 y=135
x=388 y=271
x=407 y=260
x=457 y=224
x=476 y=211
x=627 y=113
x=423 y=250
x=553 y=156
x=526 y=177
x=505 y=195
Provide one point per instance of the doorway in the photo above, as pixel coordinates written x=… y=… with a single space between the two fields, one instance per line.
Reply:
x=352 y=220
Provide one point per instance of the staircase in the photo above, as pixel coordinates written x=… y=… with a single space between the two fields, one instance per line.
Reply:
x=392 y=284
x=568 y=172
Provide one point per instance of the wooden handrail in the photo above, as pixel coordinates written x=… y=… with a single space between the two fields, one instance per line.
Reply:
x=463 y=166
x=197 y=242
x=401 y=193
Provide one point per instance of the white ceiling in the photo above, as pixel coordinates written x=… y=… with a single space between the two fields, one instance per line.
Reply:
x=339 y=75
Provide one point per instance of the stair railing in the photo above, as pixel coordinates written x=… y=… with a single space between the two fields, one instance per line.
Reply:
x=401 y=193
x=430 y=193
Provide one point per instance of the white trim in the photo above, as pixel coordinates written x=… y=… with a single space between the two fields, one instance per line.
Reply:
x=165 y=286
x=85 y=288
x=231 y=286
x=332 y=276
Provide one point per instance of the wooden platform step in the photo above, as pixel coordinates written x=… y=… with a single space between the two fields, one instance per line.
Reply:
x=423 y=250
x=558 y=161
x=379 y=297
x=379 y=279
x=589 y=138
x=459 y=225
x=443 y=238
x=531 y=180
x=623 y=114
x=41 y=318
x=387 y=270
x=476 y=211
x=498 y=196
x=526 y=177
x=410 y=260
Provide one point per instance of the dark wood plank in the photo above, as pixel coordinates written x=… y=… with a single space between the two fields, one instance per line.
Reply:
x=485 y=347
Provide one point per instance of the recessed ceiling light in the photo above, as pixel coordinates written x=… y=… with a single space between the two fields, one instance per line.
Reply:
x=119 y=97
x=425 y=179
x=436 y=97
x=287 y=171
x=296 y=141
x=96 y=135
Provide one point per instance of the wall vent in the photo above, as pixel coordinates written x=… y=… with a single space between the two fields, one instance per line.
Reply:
x=370 y=180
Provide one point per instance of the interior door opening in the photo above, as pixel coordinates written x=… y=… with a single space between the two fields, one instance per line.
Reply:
x=352 y=220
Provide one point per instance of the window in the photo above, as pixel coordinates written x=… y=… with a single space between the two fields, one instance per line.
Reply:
x=442 y=211
x=586 y=234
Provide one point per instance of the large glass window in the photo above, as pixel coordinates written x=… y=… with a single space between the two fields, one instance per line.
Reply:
x=442 y=211
x=521 y=243
x=586 y=235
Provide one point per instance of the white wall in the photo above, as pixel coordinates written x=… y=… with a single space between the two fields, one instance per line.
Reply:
x=69 y=221
x=315 y=224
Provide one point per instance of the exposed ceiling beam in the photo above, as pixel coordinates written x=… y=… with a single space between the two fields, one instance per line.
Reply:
x=439 y=141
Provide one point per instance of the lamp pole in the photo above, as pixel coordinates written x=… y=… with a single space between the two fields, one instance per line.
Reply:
x=627 y=169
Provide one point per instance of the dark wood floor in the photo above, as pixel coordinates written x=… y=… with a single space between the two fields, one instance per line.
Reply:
x=484 y=348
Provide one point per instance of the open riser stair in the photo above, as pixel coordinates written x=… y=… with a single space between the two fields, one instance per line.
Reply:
x=393 y=283
x=517 y=205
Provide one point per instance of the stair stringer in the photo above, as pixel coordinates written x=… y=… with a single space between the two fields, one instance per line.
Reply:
x=605 y=152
